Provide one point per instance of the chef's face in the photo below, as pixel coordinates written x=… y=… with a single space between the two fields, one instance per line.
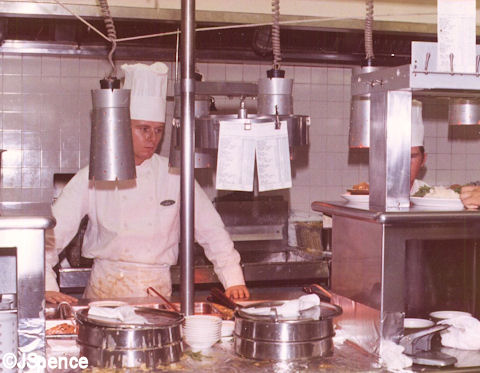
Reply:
x=146 y=137
x=417 y=161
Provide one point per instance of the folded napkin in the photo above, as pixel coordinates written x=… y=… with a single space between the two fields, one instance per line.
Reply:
x=393 y=358
x=125 y=314
x=290 y=308
x=463 y=333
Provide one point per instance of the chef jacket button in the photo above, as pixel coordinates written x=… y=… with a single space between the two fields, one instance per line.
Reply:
x=125 y=225
x=124 y=198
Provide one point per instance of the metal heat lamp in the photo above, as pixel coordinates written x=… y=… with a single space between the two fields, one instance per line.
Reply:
x=111 y=147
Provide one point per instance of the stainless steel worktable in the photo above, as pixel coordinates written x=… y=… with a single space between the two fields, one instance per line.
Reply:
x=22 y=227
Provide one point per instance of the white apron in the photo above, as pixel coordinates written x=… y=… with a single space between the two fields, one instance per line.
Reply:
x=113 y=279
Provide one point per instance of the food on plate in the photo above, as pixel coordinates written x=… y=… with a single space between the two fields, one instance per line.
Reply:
x=437 y=192
x=361 y=188
x=64 y=328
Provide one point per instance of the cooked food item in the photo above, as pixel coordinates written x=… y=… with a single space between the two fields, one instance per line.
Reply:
x=422 y=191
x=60 y=329
x=362 y=186
x=226 y=313
x=437 y=192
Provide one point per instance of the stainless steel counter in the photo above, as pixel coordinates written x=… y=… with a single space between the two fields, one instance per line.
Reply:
x=412 y=214
x=369 y=260
x=221 y=357
x=22 y=227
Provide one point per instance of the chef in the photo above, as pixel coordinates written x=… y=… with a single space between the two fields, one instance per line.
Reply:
x=418 y=155
x=134 y=225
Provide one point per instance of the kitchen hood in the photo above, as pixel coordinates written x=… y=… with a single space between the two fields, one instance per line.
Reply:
x=39 y=32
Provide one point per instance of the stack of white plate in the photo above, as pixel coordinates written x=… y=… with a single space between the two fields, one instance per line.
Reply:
x=201 y=332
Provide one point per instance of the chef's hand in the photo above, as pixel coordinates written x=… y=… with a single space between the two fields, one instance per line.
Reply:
x=237 y=292
x=470 y=196
x=57 y=297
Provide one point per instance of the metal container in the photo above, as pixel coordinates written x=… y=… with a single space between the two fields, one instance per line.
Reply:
x=463 y=111
x=279 y=339
x=109 y=344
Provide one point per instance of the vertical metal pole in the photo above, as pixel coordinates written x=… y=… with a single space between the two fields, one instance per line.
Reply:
x=187 y=192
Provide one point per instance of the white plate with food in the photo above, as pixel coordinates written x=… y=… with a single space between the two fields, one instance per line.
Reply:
x=447 y=203
x=356 y=198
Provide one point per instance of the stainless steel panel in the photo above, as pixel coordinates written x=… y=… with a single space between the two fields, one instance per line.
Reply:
x=145 y=358
x=8 y=271
x=275 y=96
x=282 y=351
x=78 y=277
x=390 y=139
x=463 y=111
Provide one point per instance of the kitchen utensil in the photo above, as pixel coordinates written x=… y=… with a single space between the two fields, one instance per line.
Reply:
x=277 y=338
x=112 y=344
x=322 y=293
x=419 y=347
x=218 y=296
x=64 y=311
x=169 y=304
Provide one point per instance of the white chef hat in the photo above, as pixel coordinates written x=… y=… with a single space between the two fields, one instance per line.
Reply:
x=418 y=129
x=148 y=85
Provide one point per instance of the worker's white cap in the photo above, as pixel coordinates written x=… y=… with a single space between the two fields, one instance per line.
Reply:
x=148 y=85
x=418 y=129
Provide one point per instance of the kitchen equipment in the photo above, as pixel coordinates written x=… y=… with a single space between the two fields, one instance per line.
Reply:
x=169 y=304
x=419 y=347
x=8 y=328
x=277 y=338
x=111 y=147
x=463 y=111
x=110 y=344
x=218 y=296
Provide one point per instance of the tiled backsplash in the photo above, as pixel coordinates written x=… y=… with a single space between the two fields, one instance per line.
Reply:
x=45 y=103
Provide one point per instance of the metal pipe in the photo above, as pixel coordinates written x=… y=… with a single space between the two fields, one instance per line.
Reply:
x=187 y=191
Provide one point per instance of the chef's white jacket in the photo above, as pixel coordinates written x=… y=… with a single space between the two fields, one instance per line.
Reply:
x=134 y=231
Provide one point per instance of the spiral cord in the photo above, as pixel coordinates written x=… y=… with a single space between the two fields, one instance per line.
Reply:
x=277 y=57
x=111 y=33
x=368 y=31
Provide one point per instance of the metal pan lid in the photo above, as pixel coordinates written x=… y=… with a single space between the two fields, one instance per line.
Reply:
x=323 y=311
x=155 y=318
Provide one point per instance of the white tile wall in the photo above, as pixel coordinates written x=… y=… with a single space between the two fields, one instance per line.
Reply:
x=45 y=127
